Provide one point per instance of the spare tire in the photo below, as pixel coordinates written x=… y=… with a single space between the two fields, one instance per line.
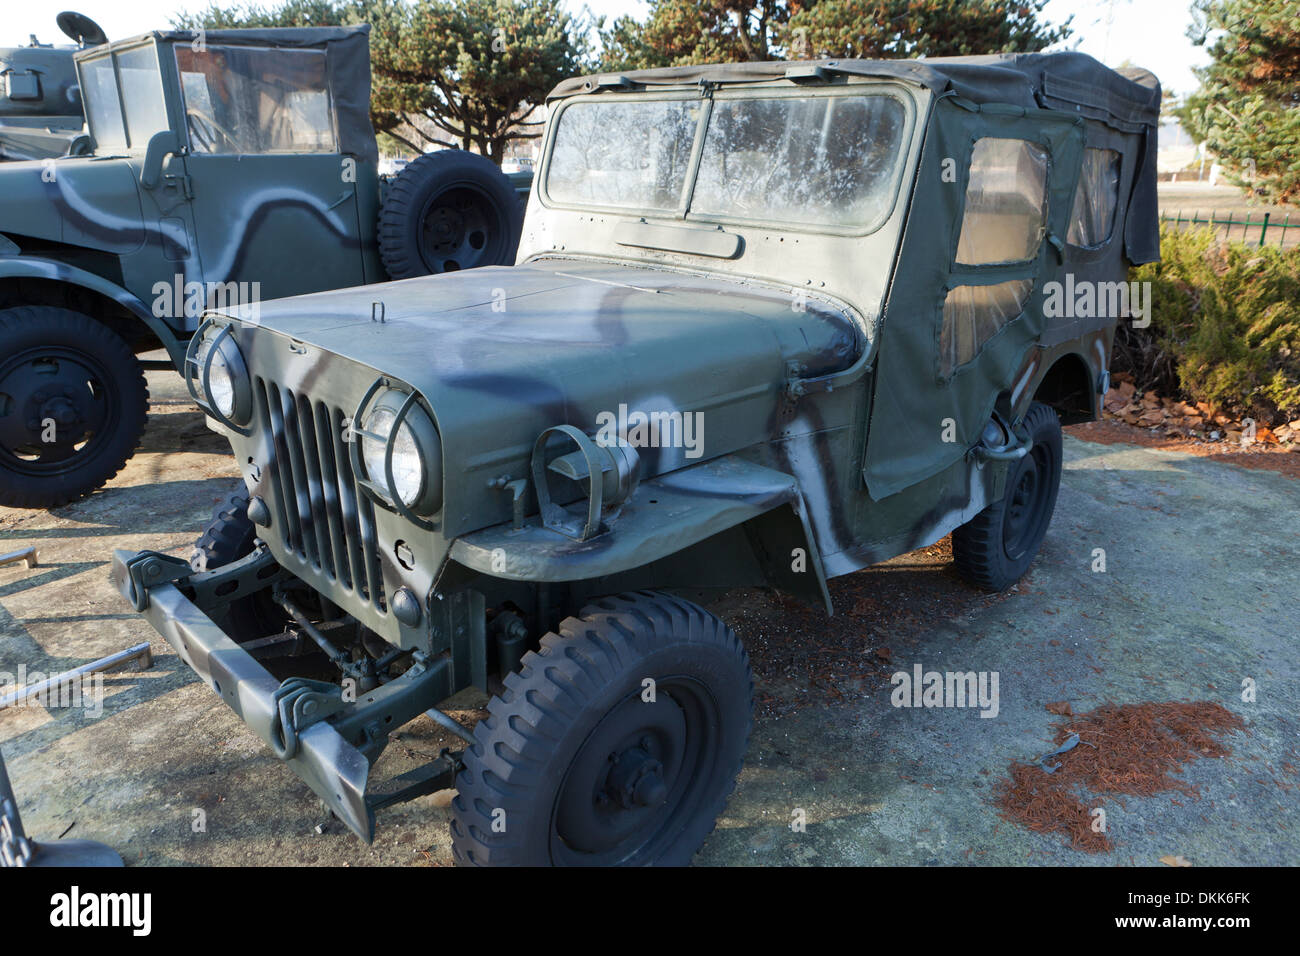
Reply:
x=447 y=211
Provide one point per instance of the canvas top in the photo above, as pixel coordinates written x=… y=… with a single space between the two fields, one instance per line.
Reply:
x=347 y=51
x=1127 y=99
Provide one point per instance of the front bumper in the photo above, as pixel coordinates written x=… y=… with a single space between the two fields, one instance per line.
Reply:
x=335 y=769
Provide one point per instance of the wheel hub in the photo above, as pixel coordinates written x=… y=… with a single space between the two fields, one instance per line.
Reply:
x=636 y=778
x=623 y=780
x=457 y=227
x=56 y=386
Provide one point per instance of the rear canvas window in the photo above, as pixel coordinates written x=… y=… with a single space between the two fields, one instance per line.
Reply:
x=973 y=314
x=1096 y=199
x=1006 y=202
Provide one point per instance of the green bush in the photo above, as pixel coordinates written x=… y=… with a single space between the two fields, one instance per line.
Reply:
x=1226 y=321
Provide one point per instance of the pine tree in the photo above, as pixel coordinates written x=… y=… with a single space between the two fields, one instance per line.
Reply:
x=1247 y=109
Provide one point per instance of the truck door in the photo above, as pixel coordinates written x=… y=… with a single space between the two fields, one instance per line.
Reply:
x=275 y=202
x=988 y=223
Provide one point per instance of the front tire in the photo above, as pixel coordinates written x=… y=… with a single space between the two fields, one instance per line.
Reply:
x=229 y=536
x=575 y=766
x=995 y=548
x=73 y=401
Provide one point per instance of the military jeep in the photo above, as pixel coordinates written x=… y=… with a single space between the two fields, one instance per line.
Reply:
x=227 y=166
x=770 y=323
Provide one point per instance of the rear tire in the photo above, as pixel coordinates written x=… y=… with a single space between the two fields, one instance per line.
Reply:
x=574 y=766
x=73 y=401
x=448 y=211
x=995 y=548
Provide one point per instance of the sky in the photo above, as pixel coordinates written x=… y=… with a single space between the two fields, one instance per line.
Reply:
x=1149 y=33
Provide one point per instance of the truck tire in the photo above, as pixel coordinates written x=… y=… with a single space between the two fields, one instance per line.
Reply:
x=447 y=211
x=73 y=401
x=995 y=548
x=229 y=536
x=575 y=766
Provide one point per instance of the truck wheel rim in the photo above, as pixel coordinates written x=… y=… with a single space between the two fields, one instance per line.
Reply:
x=54 y=392
x=1026 y=510
x=460 y=228
x=638 y=777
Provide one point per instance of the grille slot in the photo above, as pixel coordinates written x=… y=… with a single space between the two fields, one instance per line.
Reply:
x=323 y=516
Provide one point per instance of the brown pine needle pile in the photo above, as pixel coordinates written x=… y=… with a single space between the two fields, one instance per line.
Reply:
x=1128 y=749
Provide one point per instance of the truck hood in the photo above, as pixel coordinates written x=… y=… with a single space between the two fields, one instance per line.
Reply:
x=88 y=202
x=502 y=353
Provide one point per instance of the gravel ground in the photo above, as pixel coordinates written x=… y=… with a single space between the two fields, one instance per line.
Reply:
x=1197 y=596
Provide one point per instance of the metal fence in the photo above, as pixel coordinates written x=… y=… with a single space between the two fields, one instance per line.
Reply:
x=1260 y=231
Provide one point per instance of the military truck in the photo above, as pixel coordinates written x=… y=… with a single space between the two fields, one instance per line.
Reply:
x=40 y=101
x=770 y=323
x=228 y=166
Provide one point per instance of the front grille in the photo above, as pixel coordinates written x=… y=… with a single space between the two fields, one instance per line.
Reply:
x=324 y=517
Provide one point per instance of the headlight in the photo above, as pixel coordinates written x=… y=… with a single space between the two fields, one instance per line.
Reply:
x=417 y=454
x=224 y=377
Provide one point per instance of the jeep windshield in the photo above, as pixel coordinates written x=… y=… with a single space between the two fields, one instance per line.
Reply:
x=815 y=159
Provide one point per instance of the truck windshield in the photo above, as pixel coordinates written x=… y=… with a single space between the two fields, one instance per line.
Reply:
x=255 y=100
x=808 y=159
x=103 y=105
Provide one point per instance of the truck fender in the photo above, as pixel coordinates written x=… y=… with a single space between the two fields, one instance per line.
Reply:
x=33 y=267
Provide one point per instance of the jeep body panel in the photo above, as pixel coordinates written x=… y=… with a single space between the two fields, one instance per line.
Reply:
x=847 y=415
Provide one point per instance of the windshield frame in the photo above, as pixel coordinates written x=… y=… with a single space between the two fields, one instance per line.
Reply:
x=109 y=53
x=755 y=91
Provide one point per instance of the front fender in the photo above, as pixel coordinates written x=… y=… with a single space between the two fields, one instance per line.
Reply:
x=35 y=267
x=663 y=517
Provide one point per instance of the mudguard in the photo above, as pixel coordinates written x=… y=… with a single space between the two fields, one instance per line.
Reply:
x=34 y=267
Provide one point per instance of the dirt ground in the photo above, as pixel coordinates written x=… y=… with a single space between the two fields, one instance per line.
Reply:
x=1197 y=600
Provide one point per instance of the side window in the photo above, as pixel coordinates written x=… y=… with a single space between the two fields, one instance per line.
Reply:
x=1006 y=203
x=248 y=100
x=973 y=314
x=1003 y=225
x=1096 y=199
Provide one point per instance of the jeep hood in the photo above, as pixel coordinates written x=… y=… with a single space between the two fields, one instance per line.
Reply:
x=502 y=353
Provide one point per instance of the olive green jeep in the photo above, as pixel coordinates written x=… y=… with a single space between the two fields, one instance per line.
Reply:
x=770 y=323
x=222 y=167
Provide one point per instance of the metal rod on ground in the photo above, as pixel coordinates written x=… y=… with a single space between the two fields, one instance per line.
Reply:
x=26 y=555
x=109 y=663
